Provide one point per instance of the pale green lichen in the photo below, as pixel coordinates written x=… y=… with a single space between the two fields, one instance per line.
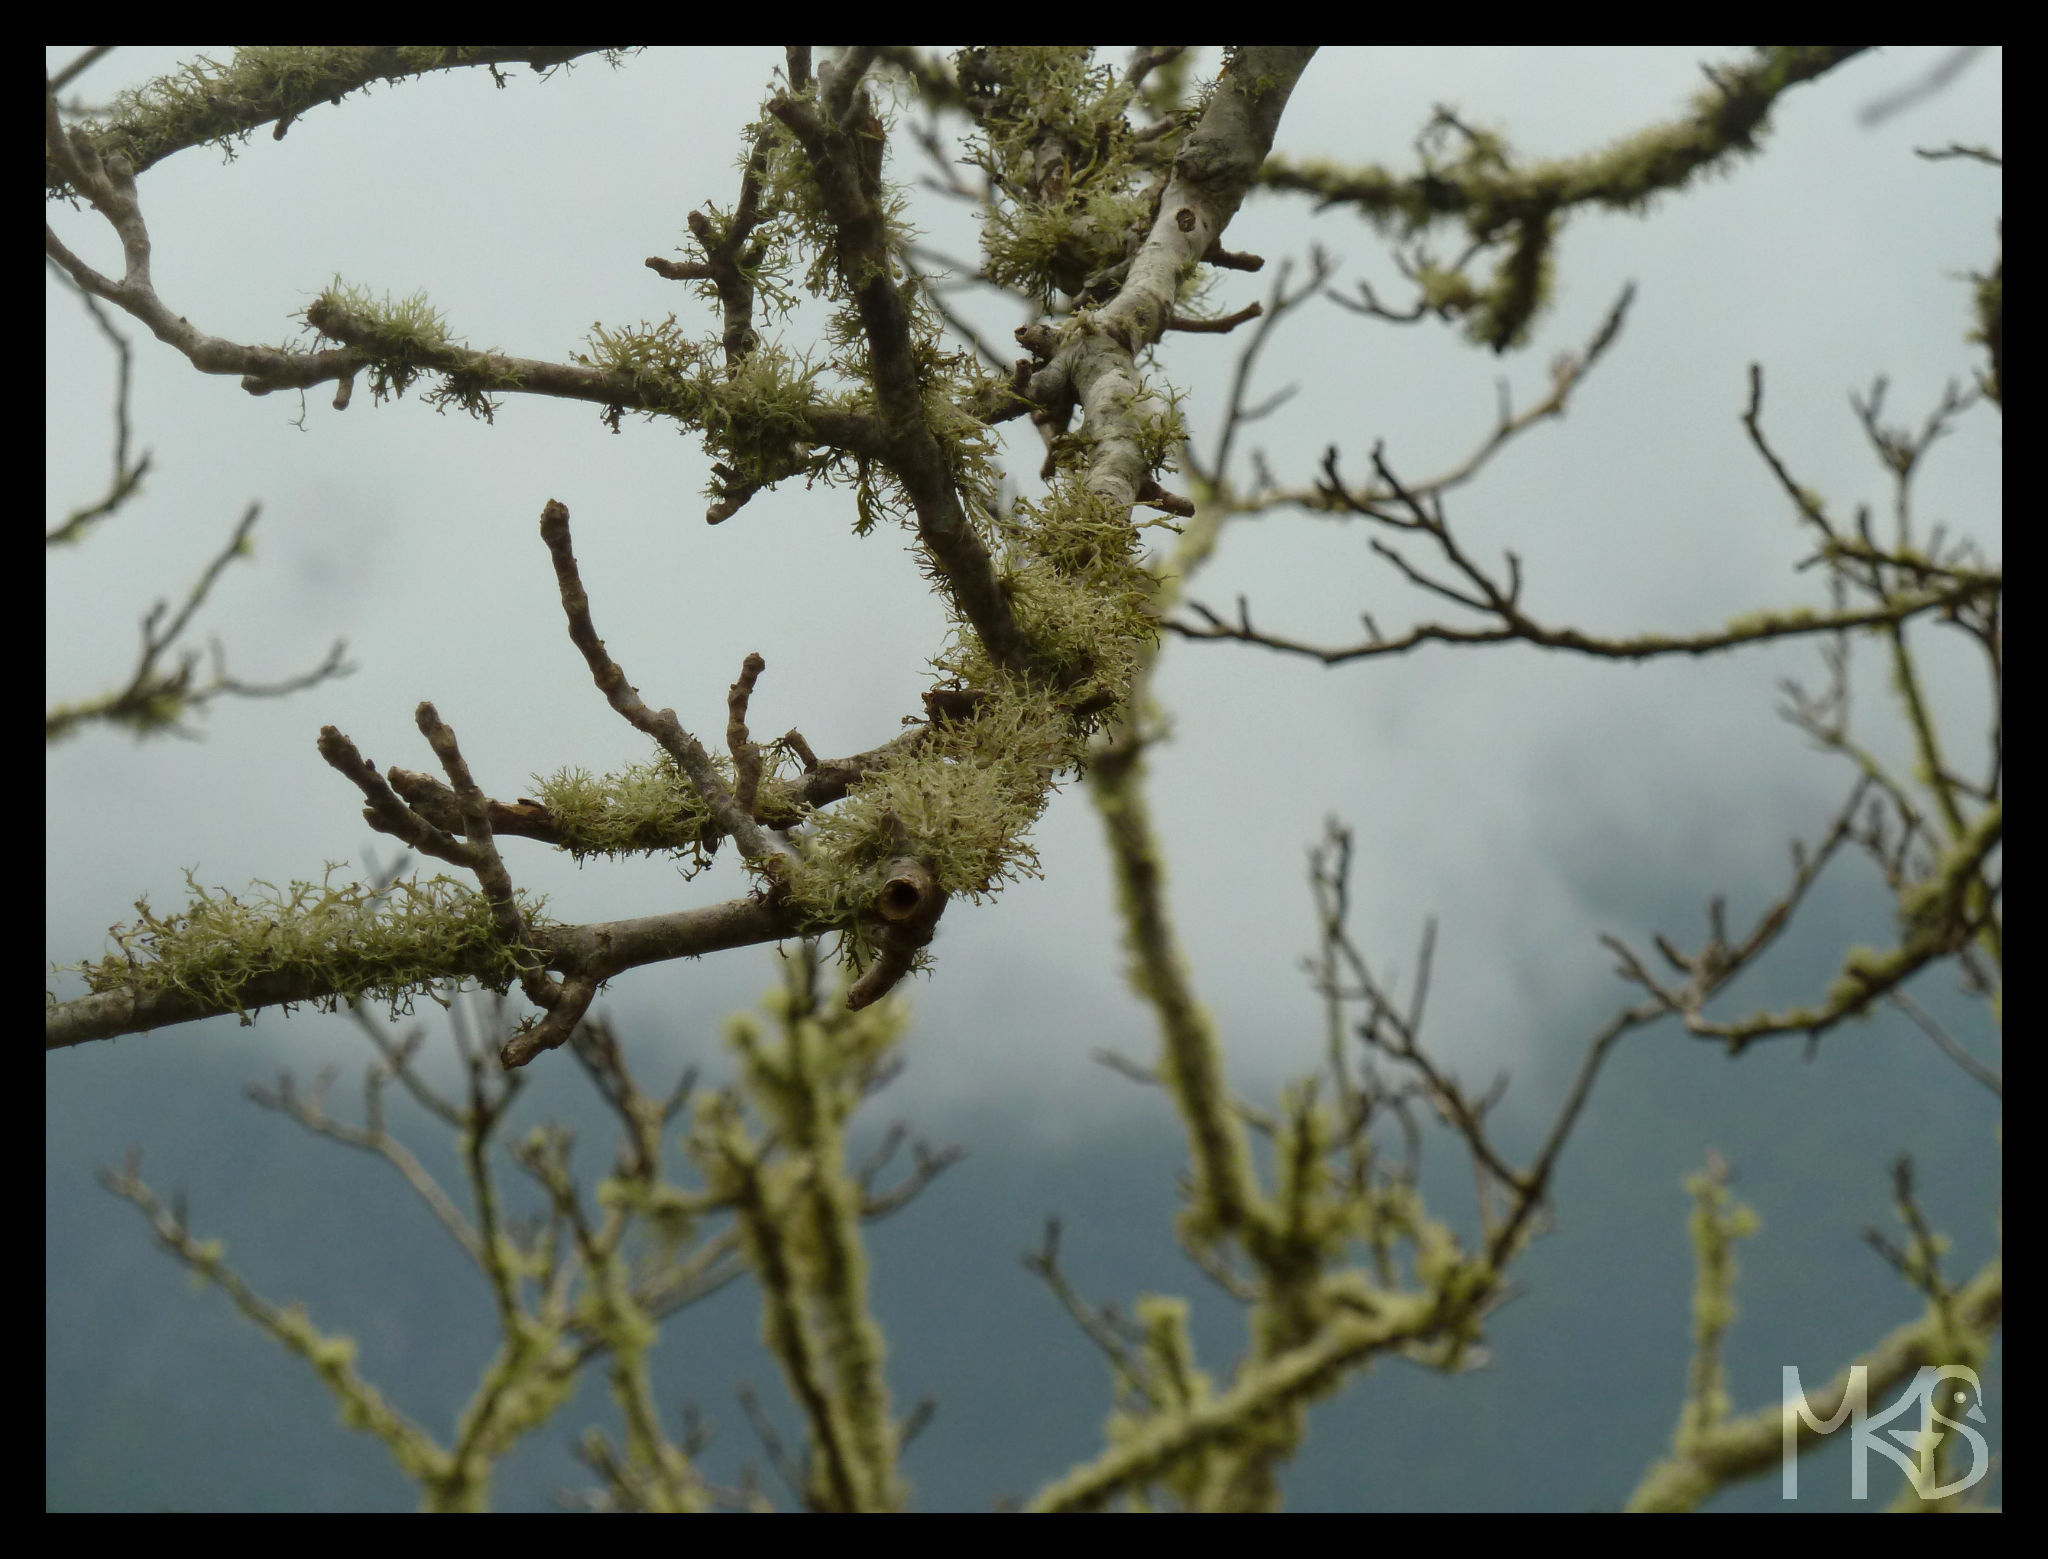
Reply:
x=1161 y=1380
x=1039 y=249
x=644 y=808
x=1060 y=219
x=408 y=337
x=405 y=327
x=1866 y=971
x=799 y=1207
x=659 y=360
x=966 y=800
x=652 y=807
x=1074 y=571
x=1160 y=427
x=964 y=803
x=351 y=941
x=1779 y=619
x=205 y=100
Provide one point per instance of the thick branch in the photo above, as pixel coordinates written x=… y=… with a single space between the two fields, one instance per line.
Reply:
x=1210 y=176
x=838 y=156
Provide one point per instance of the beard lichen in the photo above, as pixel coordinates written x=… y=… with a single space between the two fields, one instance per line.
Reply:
x=353 y=941
x=644 y=808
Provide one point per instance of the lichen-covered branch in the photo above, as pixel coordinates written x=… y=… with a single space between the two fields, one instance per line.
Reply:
x=593 y=1281
x=1714 y=1447
x=1470 y=175
x=799 y=1207
x=662 y=725
x=845 y=160
x=1053 y=607
x=232 y=957
x=208 y=103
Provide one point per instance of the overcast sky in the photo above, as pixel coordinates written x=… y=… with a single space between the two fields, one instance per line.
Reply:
x=1528 y=801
